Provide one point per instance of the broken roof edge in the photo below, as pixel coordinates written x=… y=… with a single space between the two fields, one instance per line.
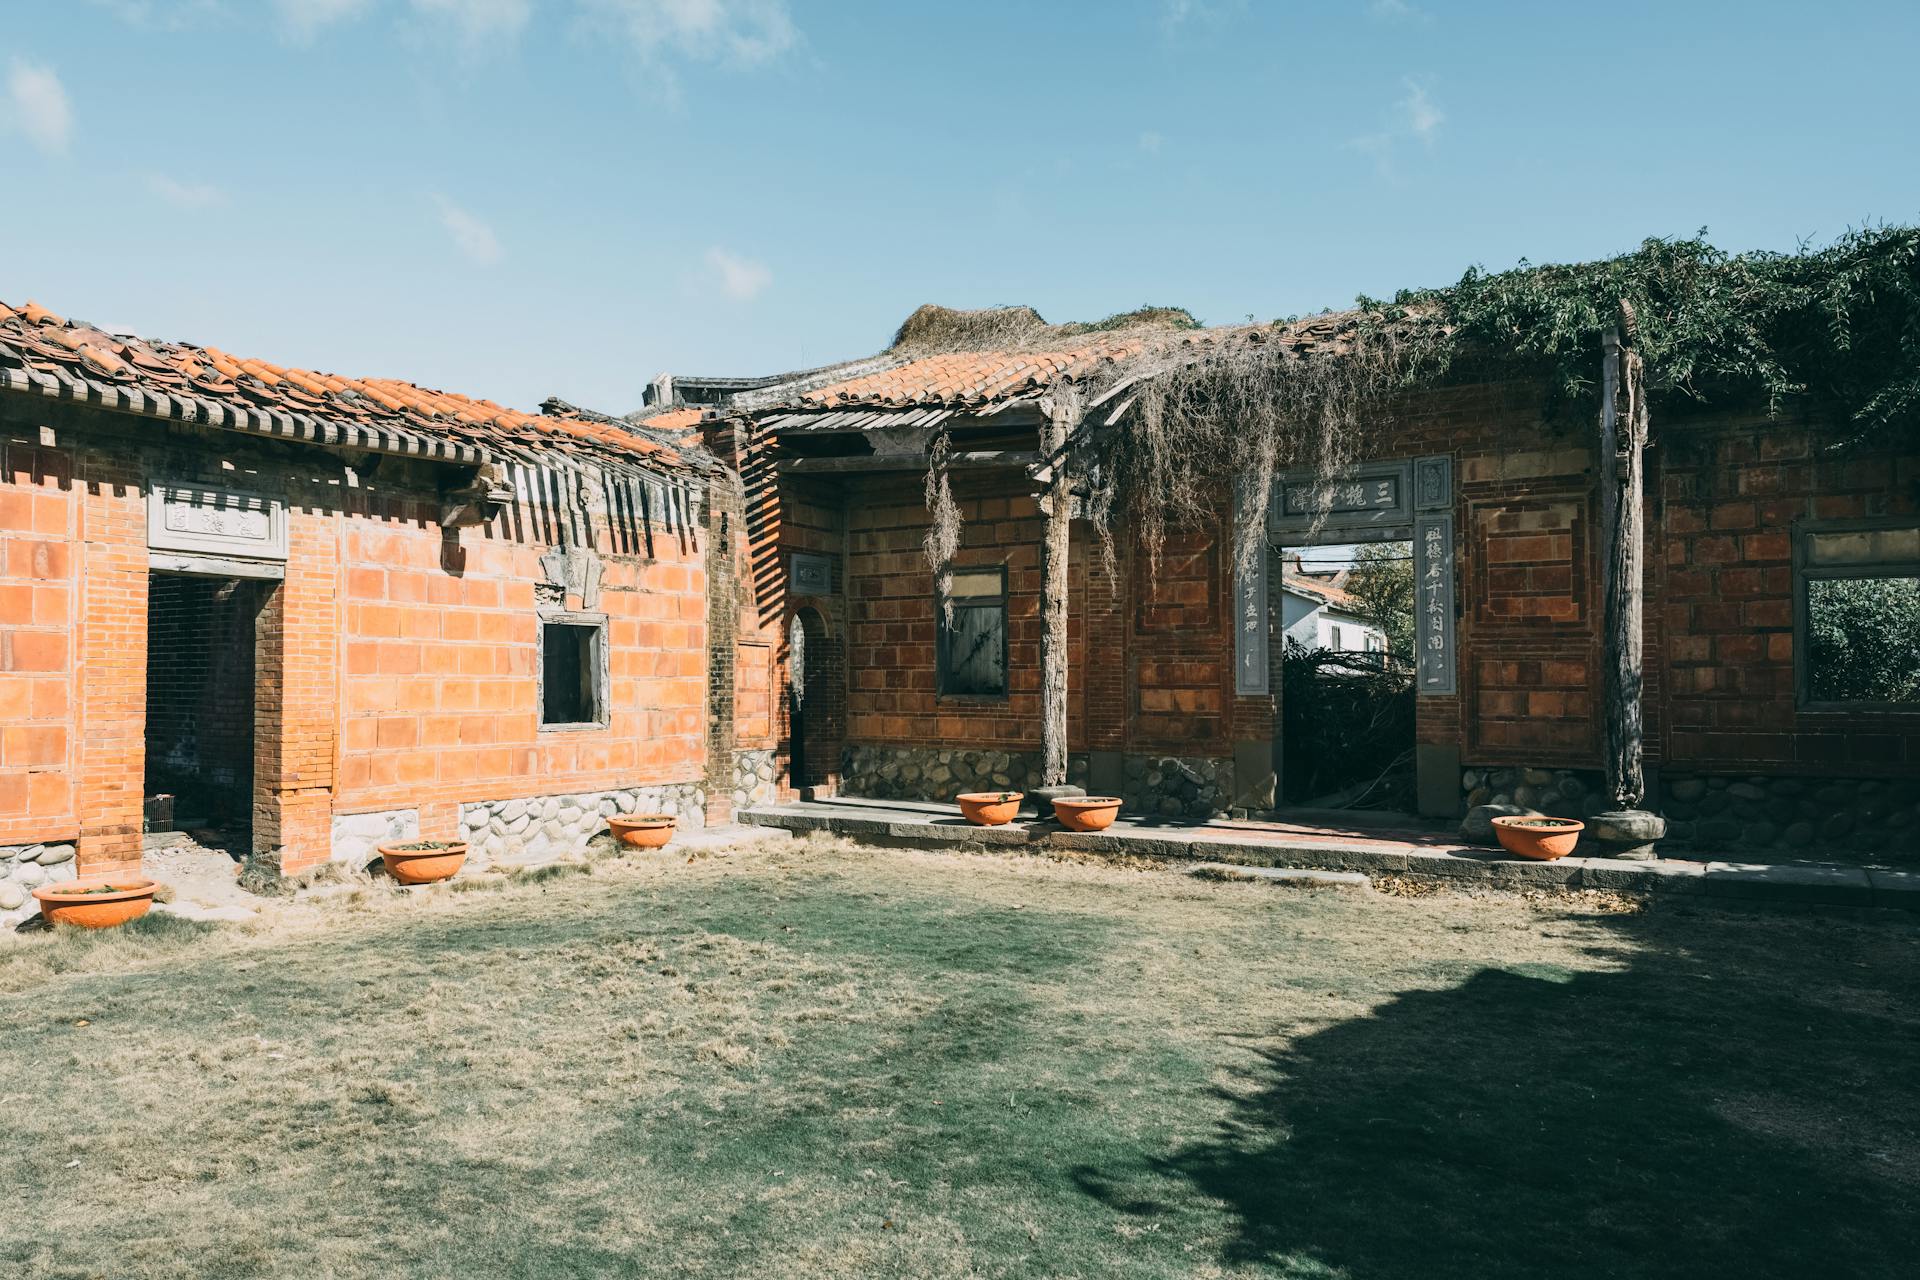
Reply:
x=50 y=355
x=277 y=424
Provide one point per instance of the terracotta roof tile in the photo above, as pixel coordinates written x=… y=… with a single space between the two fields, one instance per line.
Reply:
x=35 y=342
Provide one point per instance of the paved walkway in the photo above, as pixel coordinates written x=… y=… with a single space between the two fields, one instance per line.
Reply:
x=1424 y=852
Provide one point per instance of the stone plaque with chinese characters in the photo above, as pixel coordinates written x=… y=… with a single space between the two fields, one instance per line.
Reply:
x=1370 y=495
x=811 y=575
x=1250 y=638
x=1433 y=630
x=215 y=521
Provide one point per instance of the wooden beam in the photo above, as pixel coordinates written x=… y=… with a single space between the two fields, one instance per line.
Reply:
x=1623 y=440
x=1056 y=504
x=868 y=462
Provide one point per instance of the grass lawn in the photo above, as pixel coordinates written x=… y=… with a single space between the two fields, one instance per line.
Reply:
x=825 y=1061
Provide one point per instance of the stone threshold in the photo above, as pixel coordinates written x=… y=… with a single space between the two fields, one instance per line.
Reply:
x=926 y=825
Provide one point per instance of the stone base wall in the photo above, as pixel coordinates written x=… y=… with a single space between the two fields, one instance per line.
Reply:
x=540 y=828
x=940 y=773
x=357 y=837
x=1855 y=817
x=1844 y=818
x=1166 y=786
x=23 y=867
x=753 y=779
x=1193 y=787
x=1558 y=793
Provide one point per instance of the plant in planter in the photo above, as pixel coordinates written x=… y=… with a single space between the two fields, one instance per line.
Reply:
x=642 y=830
x=1086 y=813
x=424 y=861
x=99 y=902
x=1539 y=838
x=989 y=808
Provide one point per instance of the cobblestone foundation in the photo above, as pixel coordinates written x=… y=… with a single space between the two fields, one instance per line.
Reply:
x=357 y=837
x=753 y=778
x=538 y=828
x=1854 y=818
x=1840 y=818
x=22 y=868
x=940 y=774
x=1195 y=787
x=1169 y=786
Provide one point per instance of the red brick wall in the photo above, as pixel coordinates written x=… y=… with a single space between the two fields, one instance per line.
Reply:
x=1721 y=589
x=1152 y=664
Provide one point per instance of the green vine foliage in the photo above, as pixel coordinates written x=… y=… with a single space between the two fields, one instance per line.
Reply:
x=1840 y=325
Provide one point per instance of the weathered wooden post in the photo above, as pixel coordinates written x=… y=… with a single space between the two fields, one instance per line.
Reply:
x=1627 y=831
x=1056 y=505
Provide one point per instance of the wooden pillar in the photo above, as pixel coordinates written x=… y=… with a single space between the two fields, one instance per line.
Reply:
x=1623 y=438
x=1056 y=504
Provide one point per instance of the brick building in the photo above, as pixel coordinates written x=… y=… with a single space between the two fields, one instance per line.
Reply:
x=333 y=611
x=1171 y=677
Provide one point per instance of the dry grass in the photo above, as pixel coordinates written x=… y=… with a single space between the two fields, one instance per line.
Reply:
x=828 y=1061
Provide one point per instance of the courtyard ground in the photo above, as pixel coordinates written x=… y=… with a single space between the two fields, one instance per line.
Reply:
x=822 y=1060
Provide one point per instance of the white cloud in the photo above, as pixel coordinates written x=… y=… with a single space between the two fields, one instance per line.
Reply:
x=1175 y=14
x=479 y=21
x=738 y=32
x=471 y=236
x=165 y=15
x=740 y=278
x=304 y=19
x=1151 y=142
x=1422 y=116
x=37 y=107
x=1415 y=117
x=185 y=195
x=1397 y=11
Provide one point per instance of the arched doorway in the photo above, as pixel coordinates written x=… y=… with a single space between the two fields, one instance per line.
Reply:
x=814 y=698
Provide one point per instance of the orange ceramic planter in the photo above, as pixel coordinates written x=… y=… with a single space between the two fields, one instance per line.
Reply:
x=83 y=906
x=1086 y=813
x=1542 y=839
x=423 y=866
x=989 y=808
x=70 y=903
x=643 y=830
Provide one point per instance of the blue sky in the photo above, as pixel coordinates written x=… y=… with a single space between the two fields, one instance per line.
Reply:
x=517 y=198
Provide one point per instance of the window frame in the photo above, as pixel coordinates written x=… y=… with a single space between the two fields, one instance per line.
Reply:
x=1805 y=572
x=600 y=683
x=942 y=654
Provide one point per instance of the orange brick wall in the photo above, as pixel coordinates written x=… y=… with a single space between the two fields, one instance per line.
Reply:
x=40 y=553
x=396 y=665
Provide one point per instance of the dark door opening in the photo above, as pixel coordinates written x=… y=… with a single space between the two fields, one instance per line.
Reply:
x=1346 y=620
x=201 y=636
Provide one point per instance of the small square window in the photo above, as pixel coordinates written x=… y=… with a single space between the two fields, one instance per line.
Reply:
x=1857 y=608
x=972 y=646
x=572 y=670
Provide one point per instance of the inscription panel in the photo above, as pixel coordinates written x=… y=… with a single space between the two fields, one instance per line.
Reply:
x=214 y=521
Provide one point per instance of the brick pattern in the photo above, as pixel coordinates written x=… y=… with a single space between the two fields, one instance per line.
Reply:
x=38 y=603
x=1729 y=500
x=394 y=666
x=439 y=692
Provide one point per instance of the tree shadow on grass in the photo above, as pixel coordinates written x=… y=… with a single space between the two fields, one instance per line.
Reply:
x=1717 y=1105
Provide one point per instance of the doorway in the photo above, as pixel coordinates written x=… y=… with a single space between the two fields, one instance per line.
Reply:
x=815 y=700
x=1345 y=618
x=201 y=647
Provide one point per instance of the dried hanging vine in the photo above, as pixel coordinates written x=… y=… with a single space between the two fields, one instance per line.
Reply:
x=1200 y=430
x=942 y=541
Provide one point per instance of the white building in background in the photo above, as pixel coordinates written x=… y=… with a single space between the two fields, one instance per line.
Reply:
x=1317 y=612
